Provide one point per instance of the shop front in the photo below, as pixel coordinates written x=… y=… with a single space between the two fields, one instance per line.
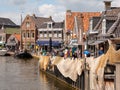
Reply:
x=46 y=45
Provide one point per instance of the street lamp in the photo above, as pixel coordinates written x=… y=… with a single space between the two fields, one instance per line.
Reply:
x=50 y=44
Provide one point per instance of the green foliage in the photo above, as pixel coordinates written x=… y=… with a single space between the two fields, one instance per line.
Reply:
x=12 y=30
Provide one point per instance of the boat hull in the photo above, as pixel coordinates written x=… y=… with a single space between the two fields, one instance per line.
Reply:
x=23 y=55
x=3 y=52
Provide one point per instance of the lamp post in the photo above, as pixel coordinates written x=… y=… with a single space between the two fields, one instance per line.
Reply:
x=50 y=44
x=86 y=72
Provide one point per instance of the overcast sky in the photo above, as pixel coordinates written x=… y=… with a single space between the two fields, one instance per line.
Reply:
x=56 y=8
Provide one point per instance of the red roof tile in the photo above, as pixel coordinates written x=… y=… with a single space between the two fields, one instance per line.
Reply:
x=86 y=16
x=17 y=36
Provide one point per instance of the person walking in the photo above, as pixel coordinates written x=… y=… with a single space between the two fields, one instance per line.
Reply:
x=101 y=51
x=87 y=53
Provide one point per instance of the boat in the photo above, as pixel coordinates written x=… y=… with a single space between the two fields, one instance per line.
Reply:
x=3 y=51
x=23 y=55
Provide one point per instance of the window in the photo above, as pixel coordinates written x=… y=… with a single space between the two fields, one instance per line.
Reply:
x=60 y=35
x=32 y=35
x=23 y=35
x=91 y=25
x=55 y=35
x=104 y=26
x=50 y=34
x=50 y=25
x=41 y=35
x=41 y=32
x=45 y=34
x=27 y=24
x=28 y=35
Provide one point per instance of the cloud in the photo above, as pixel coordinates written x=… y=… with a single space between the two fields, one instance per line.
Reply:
x=56 y=11
x=82 y=5
x=47 y=9
x=18 y=2
x=116 y=3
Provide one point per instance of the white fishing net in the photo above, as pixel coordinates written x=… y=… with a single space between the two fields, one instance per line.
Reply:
x=70 y=68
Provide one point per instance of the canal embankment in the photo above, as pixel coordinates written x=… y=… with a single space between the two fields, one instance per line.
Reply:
x=78 y=73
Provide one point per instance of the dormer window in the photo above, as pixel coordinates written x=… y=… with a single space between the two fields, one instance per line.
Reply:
x=49 y=25
x=104 y=26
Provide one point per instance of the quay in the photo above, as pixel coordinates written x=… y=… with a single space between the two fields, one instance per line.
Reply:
x=81 y=73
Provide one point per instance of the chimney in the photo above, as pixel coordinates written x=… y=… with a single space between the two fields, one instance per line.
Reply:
x=50 y=17
x=34 y=15
x=107 y=4
x=68 y=12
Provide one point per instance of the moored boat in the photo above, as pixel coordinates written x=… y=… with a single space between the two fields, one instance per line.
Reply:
x=23 y=55
x=3 y=52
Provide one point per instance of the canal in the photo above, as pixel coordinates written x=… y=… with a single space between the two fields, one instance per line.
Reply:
x=16 y=74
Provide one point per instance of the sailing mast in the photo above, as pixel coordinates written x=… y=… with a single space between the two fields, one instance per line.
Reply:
x=21 y=32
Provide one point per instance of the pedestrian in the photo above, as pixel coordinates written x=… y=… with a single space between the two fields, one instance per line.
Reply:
x=70 y=52
x=87 y=53
x=66 y=53
x=101 y=51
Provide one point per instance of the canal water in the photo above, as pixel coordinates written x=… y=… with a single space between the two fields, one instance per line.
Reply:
x=16 y=74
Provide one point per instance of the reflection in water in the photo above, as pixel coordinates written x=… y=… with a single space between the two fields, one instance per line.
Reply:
x=23 y=75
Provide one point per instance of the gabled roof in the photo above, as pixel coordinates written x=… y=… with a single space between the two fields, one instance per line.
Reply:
x=54 y=25
x=40 y=20
x=17 y=36
x=6 y=22
x=86 y=17
x=115 y=26
x=110 y=15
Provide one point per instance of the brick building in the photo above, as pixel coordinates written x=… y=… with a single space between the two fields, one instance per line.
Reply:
x=29 y=30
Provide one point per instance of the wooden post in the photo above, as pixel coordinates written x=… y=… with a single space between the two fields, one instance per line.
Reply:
x=117 y=77
x=86 y=80
x=86 y=76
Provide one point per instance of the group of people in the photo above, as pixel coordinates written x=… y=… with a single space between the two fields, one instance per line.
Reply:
x=76 y=53
x=100 y=52
x=71 y=52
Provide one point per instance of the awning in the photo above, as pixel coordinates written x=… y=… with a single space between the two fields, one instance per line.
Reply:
x=47 y=43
